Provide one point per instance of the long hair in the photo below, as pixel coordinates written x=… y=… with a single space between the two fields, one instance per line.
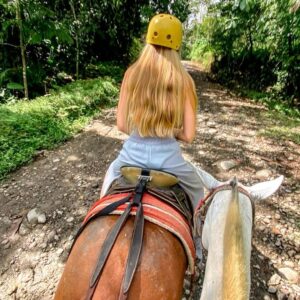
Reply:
x=156 y=87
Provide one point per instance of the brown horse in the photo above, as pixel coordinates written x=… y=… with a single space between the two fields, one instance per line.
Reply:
x=163 y=262
x=159 y=275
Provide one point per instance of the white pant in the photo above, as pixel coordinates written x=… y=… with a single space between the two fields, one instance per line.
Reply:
x=160 y=154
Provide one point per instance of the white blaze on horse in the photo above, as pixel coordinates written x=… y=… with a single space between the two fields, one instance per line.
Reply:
x=144 y=253
x=226 y=235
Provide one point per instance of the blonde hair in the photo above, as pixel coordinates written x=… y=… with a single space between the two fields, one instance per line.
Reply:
x=156 y=88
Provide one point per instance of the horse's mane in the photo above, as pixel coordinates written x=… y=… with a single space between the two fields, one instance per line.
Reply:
x=235 y=283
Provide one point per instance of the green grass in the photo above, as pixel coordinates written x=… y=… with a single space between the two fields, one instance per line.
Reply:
x=112 y=69
x=282 y=127
x=284 y=120
x=42 y=123
x=272 y=102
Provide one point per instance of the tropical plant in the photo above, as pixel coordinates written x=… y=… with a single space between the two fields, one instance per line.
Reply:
x=255 y=43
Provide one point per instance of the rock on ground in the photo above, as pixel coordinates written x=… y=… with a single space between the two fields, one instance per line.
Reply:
x=62 y=184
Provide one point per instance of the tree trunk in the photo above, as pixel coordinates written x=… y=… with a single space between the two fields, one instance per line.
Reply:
x=250 y=40
x=22 y=47
x=76 y=39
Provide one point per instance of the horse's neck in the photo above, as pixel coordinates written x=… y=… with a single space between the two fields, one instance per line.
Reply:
x=213 y=240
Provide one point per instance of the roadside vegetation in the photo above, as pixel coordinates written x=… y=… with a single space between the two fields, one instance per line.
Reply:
x=253 y=48
x=284 y=120
x=29 y=126
x=61 y=62
x=281 y=127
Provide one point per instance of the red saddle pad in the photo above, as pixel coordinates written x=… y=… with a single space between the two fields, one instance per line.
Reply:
x=157 y=212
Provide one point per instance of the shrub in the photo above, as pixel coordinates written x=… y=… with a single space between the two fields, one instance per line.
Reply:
x=30 y=125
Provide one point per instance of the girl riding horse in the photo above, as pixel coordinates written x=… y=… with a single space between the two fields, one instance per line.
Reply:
x=157 y=108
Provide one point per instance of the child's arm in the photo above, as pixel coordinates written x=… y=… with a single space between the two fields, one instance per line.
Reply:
x=121 y=122
x=187 y=132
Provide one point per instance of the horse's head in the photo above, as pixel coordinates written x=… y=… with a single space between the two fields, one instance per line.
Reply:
x=227 y=235
x=258 y=191
x=222 y=193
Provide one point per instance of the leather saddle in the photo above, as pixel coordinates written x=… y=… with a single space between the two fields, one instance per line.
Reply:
x=134 y=183
x=157 y=178
x=163 y=185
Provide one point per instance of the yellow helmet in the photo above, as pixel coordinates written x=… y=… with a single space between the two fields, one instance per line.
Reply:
x=165 y=30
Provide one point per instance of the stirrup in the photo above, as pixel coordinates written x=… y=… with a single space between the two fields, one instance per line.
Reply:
x=157 y=178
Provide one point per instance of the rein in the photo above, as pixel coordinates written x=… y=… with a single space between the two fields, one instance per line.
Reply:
x=203 y=205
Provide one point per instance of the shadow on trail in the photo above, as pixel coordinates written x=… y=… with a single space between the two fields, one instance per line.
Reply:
x=229 y=129
x=63 y=184
x=262 y=269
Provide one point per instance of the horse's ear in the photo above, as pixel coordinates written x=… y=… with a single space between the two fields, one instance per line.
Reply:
x=208 y=180
x=265 y=189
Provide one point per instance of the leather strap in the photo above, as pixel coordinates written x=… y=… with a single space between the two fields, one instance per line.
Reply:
x=104 y=212
x=145 y=172
x=135 y=250
x=136 y=242
x=106 y=248
x=137 y=238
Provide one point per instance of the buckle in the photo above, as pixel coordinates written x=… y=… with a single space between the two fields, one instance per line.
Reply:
x=144 y=178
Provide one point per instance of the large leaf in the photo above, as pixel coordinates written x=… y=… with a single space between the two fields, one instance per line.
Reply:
x=243 y=4
x=14 y=86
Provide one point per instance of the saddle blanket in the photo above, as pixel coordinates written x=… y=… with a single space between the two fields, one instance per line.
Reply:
x=157 y=212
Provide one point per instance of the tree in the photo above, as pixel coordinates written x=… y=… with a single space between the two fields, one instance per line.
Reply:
x=34 y=24
x=54 y=36
x=179 y=8
x=256 y=42
x=22 y=46
x=76 y=36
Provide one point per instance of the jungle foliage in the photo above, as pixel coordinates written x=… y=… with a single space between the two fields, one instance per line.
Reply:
x=252 y=45
x=48 y=47
x=29 y=126
x=40 y=39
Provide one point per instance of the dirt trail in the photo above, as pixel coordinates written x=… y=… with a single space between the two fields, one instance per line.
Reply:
x=63 y=183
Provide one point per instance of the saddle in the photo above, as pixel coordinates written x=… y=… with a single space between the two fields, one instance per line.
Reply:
x=148 y=194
